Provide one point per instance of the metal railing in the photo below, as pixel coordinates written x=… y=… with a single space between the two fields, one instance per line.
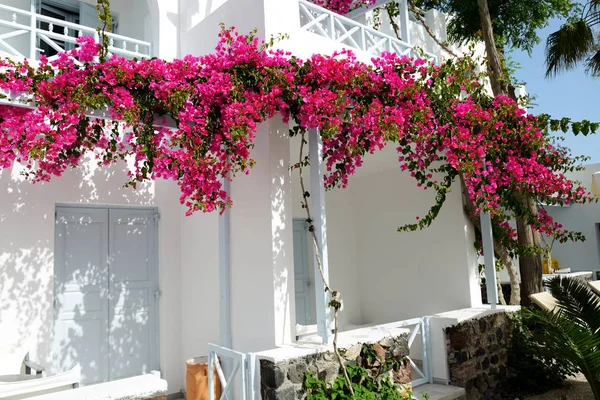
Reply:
x=326 y=23
x=58 y=35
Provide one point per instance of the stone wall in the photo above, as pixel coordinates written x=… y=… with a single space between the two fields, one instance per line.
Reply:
x=283 y=380
x=477 y=354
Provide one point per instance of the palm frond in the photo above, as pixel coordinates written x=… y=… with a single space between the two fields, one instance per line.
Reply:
x=572 y=333
x=593 y=63
x=577 y=301
x=569 y=341
x=568 y=46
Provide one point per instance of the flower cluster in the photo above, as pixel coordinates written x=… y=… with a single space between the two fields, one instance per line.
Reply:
x=438 y=117
x=343 y=6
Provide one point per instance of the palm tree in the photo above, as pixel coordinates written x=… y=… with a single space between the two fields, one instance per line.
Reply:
x=575 y=42
x=572 y=331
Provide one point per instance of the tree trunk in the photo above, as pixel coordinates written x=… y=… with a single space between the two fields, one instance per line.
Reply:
x=494 y=63
x=530 y=267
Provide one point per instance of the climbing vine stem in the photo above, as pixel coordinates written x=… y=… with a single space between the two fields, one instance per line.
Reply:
x=335 y=302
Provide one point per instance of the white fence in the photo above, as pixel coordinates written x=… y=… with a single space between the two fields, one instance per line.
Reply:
x=57 y=35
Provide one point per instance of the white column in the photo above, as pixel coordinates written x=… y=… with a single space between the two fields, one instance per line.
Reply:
x=225 y=276
x=488 y=256
x=261 y=245
x=317 y=195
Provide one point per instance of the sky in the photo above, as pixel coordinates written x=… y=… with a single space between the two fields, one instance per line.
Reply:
x=571 y=94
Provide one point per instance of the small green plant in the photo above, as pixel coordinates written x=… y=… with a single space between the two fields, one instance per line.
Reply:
x=370 y=381
x=366 y=387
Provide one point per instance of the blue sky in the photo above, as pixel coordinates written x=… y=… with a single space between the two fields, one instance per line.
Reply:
x=571 y=94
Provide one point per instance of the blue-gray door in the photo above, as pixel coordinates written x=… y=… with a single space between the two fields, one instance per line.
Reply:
x=106 y=292
x=304 y=287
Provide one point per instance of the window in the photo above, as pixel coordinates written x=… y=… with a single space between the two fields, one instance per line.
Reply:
x=70 y=11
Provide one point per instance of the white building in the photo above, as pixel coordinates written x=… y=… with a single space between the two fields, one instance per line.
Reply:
x=585 y=218
x=77 y=287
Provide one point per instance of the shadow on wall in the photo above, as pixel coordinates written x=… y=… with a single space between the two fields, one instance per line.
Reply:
x=27 y=252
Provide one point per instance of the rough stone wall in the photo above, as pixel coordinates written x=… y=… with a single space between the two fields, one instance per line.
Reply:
x=477 y=354
x=283 y=381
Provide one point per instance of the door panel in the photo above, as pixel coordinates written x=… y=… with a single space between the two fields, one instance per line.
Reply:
x=133 y=293
x=81 y=290
x=106 y=292
x=302 y=279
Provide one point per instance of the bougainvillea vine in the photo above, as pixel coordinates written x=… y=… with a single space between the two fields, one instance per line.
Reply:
x=439 y=118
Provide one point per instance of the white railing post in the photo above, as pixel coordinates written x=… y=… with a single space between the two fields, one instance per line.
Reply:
x=33 y=33
x=251 y=360
x=362 y=42
x=331 y=28
x=426 y=349
x=211 y=377
x=404 y=20
x=319 y=223
x=97 y=40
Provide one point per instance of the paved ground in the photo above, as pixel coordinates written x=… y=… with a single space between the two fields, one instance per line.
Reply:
x=580 y=390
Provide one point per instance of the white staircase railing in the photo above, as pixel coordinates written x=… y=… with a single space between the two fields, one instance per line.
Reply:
x=326 y=23
x=56 y=34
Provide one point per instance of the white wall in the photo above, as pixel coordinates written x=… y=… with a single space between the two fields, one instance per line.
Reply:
x=579 y=256
x=385 y=275
x=27 y=258
x=199 y=288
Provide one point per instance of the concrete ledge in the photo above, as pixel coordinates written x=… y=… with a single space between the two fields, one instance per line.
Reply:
x=466 y=314
x=311 y=345
x=147 y=387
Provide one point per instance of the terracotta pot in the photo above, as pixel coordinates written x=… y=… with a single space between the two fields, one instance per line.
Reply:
x=196 y=379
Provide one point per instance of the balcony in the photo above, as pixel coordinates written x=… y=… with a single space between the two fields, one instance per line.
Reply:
x=29 y=34
x=354 y=30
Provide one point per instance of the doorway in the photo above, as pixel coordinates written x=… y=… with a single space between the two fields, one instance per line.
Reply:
x=106 y=292
x=303 y=276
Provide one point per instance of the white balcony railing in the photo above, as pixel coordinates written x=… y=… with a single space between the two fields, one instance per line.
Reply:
x=27 y=31
x=353 y=34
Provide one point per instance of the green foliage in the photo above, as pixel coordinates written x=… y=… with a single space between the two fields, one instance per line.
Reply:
x=371 y=383
x=105 y=16
x=575 y=42
x=533 y=368
x=515 y=22
x=366 y=387
x=572 y=333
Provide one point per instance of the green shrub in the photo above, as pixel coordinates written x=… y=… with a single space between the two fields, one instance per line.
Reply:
x=532 y=367
x=372 y=383
x=365 y=387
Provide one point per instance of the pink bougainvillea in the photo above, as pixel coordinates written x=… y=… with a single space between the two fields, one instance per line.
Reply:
x=217 y=101
x=343 y=6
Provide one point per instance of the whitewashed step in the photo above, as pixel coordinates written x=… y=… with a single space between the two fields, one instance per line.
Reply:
x=438 y=392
